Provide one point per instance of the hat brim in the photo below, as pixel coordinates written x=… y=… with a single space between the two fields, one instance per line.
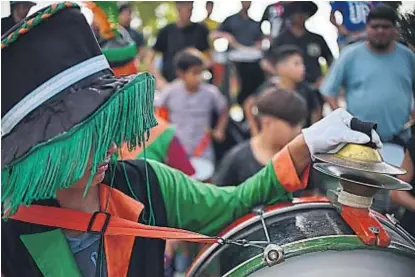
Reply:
x=59 y=114
x=30 y=3
x=51 y=148
x=296 y=6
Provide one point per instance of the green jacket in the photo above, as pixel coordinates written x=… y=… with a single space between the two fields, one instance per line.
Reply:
x=169 y=199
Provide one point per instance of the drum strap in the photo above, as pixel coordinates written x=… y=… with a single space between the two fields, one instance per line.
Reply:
x=202 y=146
x=101 y=223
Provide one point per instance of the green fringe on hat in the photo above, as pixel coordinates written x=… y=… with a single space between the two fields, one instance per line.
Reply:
x=58 y=163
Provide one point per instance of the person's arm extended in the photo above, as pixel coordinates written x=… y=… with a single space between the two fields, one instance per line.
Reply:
x=340 y=27
x=149 y=61
x=333 y=18
x=206 y=208
x=220 y=128
x=267 y=67
x=335 y=78
x=161 y=46
x=222 y=109
x=228 y=36
x=404 y=199
x=266 y=64
x=333 y=101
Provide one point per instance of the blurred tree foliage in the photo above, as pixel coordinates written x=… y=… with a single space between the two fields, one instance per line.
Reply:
x=153 y=16
x=407 y=26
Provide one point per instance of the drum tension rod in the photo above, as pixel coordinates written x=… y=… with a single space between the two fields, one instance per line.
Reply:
x=260 y=212
x=396 y=223
x=273 y=254
x=242 y=242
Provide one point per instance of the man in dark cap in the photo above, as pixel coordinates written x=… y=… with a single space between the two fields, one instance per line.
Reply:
x=18 y=11
x=312 y=45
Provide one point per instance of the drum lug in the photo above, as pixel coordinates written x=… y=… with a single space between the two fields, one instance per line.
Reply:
x=273 y=254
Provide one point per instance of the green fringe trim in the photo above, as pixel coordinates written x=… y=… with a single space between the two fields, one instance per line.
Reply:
x=58 y=163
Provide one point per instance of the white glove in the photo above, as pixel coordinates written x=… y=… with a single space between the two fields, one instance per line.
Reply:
x=333 y=130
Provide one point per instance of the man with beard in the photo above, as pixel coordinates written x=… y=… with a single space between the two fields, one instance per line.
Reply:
x=244 y=36
x=378 y=79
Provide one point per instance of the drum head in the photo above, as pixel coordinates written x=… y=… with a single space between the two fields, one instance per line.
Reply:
x=204 y=168
x=362 y=263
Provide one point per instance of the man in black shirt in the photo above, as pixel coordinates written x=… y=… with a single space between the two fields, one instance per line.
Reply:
x=175 y=37
x=125 y=12
x=244 y=36
x=313 y=46
x=281 y=114
x=18 y=11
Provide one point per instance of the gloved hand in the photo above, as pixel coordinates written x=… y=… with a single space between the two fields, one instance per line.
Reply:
x=333 y=130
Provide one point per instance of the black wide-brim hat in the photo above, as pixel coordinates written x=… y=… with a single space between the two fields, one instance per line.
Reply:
x=29 y=3
x=62 y=106
x=309 y=7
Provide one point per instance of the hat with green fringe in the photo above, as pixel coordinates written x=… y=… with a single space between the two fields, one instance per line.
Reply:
x=62 y=105
x=116 y=43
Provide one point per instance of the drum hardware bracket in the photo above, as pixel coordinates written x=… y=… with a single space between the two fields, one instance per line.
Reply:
x=242 y=242
x=273 y=254
x=392 y=219
x=260 y=212
x=374 y=230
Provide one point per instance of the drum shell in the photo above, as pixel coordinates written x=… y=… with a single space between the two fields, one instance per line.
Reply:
x=305 y=231
x=204 y=169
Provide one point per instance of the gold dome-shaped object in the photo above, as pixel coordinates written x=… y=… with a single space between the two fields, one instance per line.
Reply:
x=360 y=157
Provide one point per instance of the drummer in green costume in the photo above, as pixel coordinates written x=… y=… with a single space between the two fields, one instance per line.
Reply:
x=55 y=179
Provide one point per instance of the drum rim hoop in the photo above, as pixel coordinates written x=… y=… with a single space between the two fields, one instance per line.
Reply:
x=297 y=206
x=329 y=243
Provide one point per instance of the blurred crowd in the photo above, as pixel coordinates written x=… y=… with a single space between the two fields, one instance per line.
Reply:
x=230 y=112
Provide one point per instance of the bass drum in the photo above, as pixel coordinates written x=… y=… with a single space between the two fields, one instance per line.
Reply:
x=316 y=242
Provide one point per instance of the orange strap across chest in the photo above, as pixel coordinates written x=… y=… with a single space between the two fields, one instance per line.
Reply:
x=101 y=222
x=203 y=145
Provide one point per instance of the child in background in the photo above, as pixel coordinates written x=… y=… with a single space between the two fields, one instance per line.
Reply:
x=289 y=65
x=190 y=104
x=281 y=114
